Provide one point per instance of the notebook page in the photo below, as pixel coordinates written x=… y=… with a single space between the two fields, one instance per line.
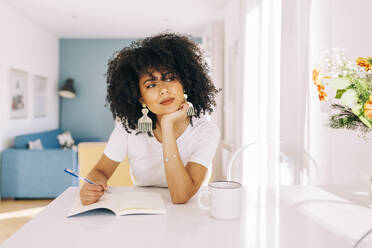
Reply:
x=141 y=203
x=108 y=200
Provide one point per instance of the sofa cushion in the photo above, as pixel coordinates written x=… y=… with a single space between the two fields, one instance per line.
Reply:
x=35 y=145
x=48 y=139
x=65 y=140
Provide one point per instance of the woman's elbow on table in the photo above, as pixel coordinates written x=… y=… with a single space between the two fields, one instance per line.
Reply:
x=180 y=199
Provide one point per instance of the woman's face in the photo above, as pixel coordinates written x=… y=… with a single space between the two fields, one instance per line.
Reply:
x=162 y=92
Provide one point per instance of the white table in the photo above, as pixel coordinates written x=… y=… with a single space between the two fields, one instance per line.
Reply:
x=293 y=216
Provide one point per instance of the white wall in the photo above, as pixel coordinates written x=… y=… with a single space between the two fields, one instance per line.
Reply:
x=26 y=46
x=343 y=157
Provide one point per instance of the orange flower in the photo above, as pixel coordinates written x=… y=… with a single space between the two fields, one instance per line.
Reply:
x=363 y=62
x=315 y=75
x=321 y=93
x=368 y=108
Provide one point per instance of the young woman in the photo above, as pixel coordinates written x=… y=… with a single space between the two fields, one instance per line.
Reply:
x=160 y=75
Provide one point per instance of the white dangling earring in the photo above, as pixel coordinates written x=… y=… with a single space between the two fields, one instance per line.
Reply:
x=144 y=123
x=190 y=111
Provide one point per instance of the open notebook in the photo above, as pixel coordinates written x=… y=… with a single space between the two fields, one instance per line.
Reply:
x=124 y=203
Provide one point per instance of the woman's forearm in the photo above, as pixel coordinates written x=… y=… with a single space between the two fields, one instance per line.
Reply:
x=97 y=176
x=179 y=181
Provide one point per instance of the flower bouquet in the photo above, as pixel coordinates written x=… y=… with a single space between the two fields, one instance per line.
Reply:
x=352 y=83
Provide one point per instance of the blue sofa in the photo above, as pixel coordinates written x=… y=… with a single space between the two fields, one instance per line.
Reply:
x=38 y=173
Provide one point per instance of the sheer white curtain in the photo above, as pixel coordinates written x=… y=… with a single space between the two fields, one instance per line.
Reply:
x=295 y=83
x=261 y=91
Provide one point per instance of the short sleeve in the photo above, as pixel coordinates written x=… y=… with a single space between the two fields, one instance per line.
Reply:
x=206 y=146
x=117 y=145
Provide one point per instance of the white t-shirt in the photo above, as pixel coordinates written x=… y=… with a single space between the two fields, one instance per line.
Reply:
x=198 y=143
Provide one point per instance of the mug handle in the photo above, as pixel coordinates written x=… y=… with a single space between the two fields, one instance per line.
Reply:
x=202 y=206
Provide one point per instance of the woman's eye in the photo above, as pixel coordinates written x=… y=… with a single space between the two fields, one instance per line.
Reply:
x=150 y=86
x=170 y=78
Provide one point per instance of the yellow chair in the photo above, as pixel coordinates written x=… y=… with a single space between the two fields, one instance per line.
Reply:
x=89 y=154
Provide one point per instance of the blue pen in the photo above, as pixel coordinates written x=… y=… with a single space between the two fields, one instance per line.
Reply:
x=68 y=171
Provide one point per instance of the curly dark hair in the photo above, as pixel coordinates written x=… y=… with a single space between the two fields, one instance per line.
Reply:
x=163 y=52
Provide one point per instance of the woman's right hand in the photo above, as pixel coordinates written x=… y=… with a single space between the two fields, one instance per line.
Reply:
x=91 y=193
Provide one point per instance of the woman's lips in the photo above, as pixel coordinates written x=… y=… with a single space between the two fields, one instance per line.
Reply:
x=167 y=102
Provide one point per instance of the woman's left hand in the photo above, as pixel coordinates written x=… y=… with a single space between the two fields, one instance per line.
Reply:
x=179 y=115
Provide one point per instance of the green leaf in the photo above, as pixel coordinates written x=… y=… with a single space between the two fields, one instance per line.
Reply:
x=370 y=61
x=357 y=109
x=361 y=86
x=365 y=121
x=339 y=93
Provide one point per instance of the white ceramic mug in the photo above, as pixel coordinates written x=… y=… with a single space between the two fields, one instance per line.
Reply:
x=225 y=199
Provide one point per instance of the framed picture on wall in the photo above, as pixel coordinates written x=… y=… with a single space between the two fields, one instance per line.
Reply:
x=40 y=96
x=18 y=94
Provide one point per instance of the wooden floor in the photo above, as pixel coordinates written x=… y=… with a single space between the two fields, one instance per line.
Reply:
x=15 y=213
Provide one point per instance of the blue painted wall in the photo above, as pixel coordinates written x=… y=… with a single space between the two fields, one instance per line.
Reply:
x=85 y=60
